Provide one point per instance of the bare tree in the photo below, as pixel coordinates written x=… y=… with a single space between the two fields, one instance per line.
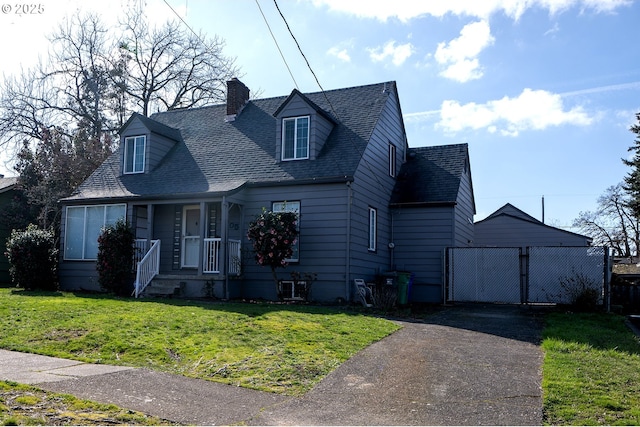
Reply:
x=168 y=67
x=612 y=223
x=95 y=76
x=61 y=116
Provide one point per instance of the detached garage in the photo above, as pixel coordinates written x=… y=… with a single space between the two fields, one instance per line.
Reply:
x=511 y=227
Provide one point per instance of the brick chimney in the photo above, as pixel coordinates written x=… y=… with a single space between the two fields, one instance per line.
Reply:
x=237 y=97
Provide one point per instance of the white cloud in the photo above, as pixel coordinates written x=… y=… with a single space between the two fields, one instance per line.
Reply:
x=405 y=10
x=398 y=54
x=531 y=110
x=459 y=55
x=340 y=53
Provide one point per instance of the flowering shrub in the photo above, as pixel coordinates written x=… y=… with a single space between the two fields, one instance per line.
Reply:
x=33 y=259
x=273 y=235
x=115 y=259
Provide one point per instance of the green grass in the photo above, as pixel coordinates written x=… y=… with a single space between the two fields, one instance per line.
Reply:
x=272 y=347
x=26 y=405
x=591 y=372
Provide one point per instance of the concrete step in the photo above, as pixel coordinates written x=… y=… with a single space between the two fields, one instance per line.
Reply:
x=164 y=288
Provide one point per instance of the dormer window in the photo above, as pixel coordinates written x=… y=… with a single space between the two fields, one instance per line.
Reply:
x=134 y=149
x=295 y=138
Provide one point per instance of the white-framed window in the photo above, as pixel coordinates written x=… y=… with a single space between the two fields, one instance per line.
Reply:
x=290 y=290
x=83 y=227
x=392 y=160
x=295 y=138
x=134 y=149
x=373 y=229
x=290 y=207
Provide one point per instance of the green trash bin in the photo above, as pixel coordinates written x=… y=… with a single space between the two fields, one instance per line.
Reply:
x=404 y=280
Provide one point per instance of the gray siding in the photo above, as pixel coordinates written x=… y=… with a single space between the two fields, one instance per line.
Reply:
x=164 y=230
x=372 y=187
x=464 y=212
x=506 y=231
x=157 y=146
x=322 y=241
x=421 y=234
x=319 y=127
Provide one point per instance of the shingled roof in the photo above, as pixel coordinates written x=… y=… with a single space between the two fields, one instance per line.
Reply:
x=215 y=156
x=431 y=175
x=7 y=184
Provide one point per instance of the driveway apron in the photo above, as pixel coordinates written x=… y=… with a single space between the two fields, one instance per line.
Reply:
x=469 y=365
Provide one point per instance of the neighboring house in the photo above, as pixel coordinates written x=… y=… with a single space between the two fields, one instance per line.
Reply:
x=511 y=227
x=7 y=192
x=190 y=181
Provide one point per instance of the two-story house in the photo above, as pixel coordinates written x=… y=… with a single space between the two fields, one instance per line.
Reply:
x=190 y=181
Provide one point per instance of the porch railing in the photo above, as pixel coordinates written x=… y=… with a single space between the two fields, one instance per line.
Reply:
x=212 y=256
x=147 y=268
x=140 y=250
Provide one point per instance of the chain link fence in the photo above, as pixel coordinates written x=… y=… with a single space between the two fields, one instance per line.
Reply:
x=484 y=275
x=562 y=275
x=557 y=275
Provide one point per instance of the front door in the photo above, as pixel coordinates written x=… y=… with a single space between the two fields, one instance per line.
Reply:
x=191 y=236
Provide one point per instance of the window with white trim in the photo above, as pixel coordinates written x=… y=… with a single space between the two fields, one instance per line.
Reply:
x=290 y=207
x=295 y=138
x=134 y=149
x=373 y=229
x=392 y=160
x=83 y=227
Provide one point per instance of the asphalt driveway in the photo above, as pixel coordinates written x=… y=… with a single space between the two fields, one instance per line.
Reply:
x=466 y=365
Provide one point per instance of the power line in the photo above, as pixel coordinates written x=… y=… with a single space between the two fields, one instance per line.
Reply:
x=297 y=44
x=361 y=153
x=198 y=36
x=276 y=42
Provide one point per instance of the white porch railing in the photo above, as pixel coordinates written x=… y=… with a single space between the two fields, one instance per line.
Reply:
x=140 y=250
x=147 y=267
x=212 y=256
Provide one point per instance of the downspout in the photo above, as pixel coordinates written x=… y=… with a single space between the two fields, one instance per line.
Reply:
x=347 y=289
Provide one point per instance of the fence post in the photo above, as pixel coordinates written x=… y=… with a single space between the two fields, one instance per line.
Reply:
x=523 y=282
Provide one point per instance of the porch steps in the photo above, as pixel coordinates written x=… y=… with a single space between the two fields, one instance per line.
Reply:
x=166 y=288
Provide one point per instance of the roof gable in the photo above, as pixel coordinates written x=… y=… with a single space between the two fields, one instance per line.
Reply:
x=510 y=213
x=296 y=93
x=153 y=126
x=509 y=209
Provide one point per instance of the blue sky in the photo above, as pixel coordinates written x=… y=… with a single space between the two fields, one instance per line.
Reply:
x=543 y=91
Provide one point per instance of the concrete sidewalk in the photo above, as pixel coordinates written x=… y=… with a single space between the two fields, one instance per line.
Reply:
x=469 y=365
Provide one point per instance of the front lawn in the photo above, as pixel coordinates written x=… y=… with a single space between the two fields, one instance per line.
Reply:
x=271 y=347
x=591 y=372
x=25 y=405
